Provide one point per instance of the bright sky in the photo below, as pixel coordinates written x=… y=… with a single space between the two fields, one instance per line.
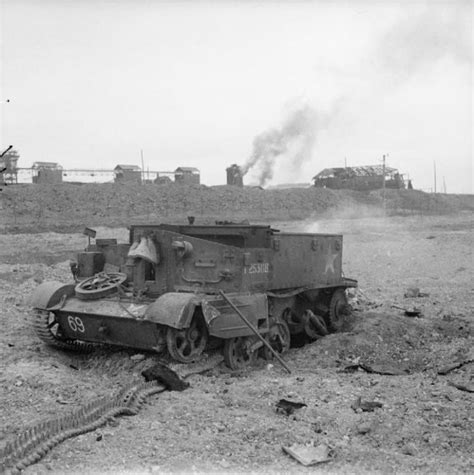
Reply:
x=90 y=83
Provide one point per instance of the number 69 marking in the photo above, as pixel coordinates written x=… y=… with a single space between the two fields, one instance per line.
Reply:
x=76 y=324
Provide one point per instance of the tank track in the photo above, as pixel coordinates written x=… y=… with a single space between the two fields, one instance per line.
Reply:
x=33 y=444
x=43 y=326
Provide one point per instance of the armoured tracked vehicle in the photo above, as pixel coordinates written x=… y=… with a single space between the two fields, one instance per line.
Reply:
x=185 y=288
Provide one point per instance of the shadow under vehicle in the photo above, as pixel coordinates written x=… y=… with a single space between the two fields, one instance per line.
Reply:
x=185 y=288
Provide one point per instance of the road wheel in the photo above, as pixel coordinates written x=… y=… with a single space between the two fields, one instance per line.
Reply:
x=315 y=326
x=100 y=285
x=241 y=352
x=279 y=338
x=187 y=344
x=295 y=322
x=338 y=310
x=48 y=330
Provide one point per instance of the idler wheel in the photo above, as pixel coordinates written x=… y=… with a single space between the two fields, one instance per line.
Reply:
x=279 y=338
x=100 y=285
x=241 y=352
x=48 y=330
x=338 y=310
x=187 y=344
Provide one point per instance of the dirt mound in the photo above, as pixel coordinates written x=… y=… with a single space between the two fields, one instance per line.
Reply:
x=32 y=208
x=409 y=344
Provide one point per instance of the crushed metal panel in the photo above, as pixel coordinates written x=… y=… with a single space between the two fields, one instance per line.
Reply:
x=224 y=322
x=308 y=454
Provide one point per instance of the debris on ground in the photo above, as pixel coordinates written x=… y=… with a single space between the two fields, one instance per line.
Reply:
x=365 y=406
x=364 y=428
x=462 y=387
x=409 y=312
x=308 y=454
x=409 y=449
x=385 y=369
x=414 y=293
x=454 y=365
x=286 y=407
x=356 y=298
x=166 y=376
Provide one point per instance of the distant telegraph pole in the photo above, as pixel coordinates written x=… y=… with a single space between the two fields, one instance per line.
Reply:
x=434 y=173
x=143 y=166
x=383 y=182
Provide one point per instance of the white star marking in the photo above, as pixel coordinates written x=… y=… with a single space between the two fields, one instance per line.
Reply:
x=330 y=258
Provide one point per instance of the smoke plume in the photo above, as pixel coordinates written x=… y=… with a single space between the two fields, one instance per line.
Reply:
x=293 y=141
x=424 y=39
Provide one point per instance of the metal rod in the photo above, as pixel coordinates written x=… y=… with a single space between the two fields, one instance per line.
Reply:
x=255 y=331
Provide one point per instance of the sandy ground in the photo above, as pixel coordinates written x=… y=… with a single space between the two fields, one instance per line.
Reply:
x=226 y=421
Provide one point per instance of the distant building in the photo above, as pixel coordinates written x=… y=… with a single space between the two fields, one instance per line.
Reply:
x=49 y=173
x=235 y=176
x=187 y=175
x=128 y=174
x=9 y=167
x=359 y=178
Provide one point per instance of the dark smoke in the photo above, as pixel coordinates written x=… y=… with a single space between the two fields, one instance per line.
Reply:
x=293 y=141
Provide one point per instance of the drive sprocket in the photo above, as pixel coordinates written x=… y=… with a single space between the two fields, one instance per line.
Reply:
x=339 y=309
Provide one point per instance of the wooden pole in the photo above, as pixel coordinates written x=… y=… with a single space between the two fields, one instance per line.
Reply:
x=383 y=183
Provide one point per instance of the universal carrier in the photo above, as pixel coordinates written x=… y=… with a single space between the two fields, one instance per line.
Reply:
x=180 y=288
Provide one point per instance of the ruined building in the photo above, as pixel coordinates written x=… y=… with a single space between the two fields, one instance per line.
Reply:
x=235 y=176
x=359 y=178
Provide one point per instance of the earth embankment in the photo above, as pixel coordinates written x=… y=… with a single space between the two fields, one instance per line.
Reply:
x=68 y=207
